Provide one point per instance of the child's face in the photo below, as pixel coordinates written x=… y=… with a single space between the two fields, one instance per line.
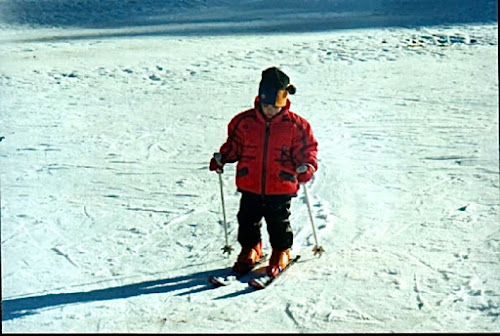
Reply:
x=270 y=110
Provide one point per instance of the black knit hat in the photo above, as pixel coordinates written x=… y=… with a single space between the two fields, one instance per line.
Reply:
x=273 y=79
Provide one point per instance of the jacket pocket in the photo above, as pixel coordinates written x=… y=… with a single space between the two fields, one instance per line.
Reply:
x=242 y=172
x=287 y=176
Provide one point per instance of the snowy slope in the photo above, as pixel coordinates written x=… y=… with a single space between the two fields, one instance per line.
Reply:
x=111 y=110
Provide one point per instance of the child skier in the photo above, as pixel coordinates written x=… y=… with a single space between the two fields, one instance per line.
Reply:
x=270 y=143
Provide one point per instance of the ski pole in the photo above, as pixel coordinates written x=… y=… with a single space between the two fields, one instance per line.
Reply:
x=228 y=248
x=316 y=249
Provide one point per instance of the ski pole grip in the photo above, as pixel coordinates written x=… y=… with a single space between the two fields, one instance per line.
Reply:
x=218 y=158
x=301 y=169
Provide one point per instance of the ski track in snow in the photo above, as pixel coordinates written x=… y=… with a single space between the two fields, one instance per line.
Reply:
x=110 y=217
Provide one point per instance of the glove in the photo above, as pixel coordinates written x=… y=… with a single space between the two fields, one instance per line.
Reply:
x=306 y=172
x=216 y=164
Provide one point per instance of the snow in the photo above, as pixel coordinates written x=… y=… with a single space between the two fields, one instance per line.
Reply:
x=111 y=110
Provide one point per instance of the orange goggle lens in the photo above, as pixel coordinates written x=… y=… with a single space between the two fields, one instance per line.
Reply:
x=281 y=98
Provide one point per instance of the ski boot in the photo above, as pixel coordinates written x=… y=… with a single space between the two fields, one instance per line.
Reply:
x=279 y=260
x=247 y=258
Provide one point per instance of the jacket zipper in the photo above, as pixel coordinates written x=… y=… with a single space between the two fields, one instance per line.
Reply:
x=264 y=159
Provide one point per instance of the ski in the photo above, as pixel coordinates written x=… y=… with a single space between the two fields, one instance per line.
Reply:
x=230 y=275
x=263 y=281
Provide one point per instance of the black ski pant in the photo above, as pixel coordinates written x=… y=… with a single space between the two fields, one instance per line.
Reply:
x=275 y=210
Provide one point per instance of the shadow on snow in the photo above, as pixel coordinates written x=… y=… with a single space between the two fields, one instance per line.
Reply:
x=193 y=283
x=185 y=284
x=230 y=17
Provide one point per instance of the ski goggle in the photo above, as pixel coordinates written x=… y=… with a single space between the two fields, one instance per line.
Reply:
x=275 y=97
x=280 y=100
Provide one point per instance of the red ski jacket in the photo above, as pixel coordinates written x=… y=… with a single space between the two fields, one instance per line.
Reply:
x=268 y=151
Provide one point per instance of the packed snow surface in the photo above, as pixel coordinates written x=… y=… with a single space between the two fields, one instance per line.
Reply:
x=111 y=110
